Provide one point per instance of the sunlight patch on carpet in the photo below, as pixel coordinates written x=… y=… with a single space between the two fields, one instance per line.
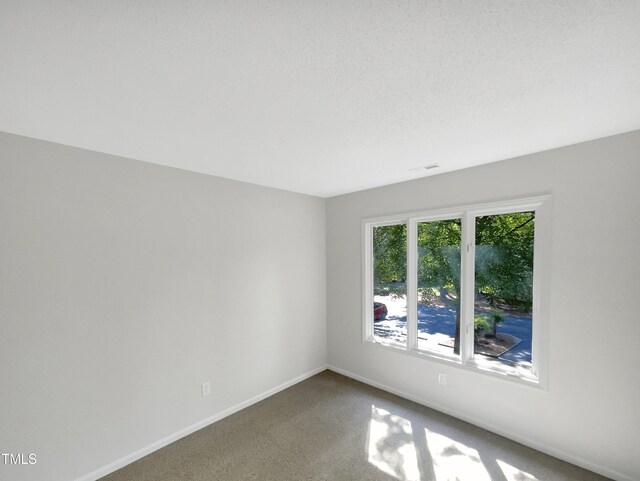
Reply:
x=453 y=461
x=514 y=474
x=390 y=447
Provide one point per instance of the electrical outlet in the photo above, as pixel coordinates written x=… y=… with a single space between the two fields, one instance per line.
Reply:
x=442 y=379
x=206 y=388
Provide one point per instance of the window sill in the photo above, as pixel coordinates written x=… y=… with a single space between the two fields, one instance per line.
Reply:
x=485 y=367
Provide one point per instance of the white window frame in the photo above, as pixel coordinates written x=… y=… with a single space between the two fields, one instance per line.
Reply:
x=541 y=205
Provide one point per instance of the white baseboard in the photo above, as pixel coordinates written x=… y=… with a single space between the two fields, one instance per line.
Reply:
x=507 y=434
x=130 y=458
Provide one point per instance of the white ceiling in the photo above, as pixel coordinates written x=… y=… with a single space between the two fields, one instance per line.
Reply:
x=322 y=97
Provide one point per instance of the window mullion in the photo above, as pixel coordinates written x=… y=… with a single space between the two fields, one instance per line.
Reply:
x=412 y=284
x=367 y=300
x=467 y=288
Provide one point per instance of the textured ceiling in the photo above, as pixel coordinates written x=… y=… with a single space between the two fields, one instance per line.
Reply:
x=320 y=97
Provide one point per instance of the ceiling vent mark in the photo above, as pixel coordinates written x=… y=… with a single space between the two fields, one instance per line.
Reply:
x=425 y=167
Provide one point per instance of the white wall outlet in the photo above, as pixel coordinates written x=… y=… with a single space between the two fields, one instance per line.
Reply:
x=206 y=388
x=442 y=379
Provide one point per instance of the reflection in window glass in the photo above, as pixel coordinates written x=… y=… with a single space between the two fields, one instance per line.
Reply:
x=504 y=287
x=389 y=283
x=439 y=285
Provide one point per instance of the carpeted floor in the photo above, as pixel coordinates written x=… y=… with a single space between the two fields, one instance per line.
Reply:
x=330 y=427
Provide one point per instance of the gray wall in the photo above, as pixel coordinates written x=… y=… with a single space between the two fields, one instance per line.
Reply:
x=590 y=412
x=125 y=285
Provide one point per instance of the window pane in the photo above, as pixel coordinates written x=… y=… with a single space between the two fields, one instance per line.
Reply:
x=504 y=286
x=439 y=286
x=389 y=283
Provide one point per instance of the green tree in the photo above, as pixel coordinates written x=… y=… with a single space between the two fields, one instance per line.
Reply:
x=439 y=257
x=439 y=264
x=504 y=258
x=389 y=254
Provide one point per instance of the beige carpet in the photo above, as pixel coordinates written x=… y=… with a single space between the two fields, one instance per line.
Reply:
x=330 y=427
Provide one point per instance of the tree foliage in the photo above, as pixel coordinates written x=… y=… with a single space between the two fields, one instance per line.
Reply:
x=390 y=254
x=439 y=257
x=504 y=257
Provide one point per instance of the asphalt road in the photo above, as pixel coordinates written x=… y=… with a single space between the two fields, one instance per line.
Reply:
x=432 y=319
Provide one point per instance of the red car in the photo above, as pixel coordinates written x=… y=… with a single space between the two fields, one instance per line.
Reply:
x=379 y=311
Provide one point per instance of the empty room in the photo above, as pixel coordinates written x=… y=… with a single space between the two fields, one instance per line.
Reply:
x=319 y=240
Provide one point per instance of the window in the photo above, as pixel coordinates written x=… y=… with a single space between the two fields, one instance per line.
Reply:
x=390 y=273
x=462 y=285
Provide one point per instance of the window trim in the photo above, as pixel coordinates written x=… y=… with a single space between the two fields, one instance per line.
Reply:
x=541 y=205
